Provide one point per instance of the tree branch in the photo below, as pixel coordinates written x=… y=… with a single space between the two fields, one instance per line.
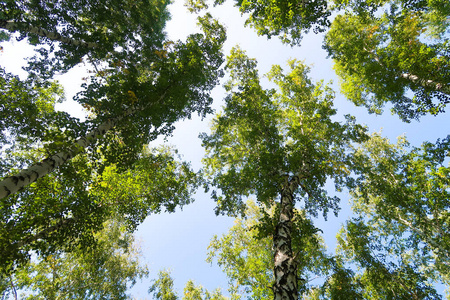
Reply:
x=54 y=36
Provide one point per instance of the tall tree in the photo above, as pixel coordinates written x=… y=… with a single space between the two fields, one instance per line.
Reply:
x=387 y=59
x=101 y=30
x=247 y=259
x=245 y=253
x=103 y=271
x=65 y=209
x=278 y=146
x=404 y=195
x=383 y=50
x=140 y=103
x=383 y=267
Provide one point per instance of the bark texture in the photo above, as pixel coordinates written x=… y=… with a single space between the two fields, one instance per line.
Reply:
x=54 y=36
x=13 y=184
x=285 y=269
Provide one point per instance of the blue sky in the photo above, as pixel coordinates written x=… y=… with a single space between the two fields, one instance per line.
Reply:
x=179 y=241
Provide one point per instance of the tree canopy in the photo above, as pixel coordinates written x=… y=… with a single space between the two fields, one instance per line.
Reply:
x=384 y=51
x=106 y=270
x=113 y=30
x=262 y=136
x=64 y=209
x=136 y=102
x=387 y=59
x=72 y=192
x=281 y=147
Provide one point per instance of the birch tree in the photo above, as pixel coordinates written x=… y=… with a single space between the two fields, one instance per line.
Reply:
x=245 y=254
x=404 y=195
x=140 y=103
x=384 y=51
x=281 y=147
x=103 y=271
x=93 y=30
x=64 y=210
x=382 y=272
x=388 y=59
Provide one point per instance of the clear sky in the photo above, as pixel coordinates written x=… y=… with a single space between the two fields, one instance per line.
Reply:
x=179 y=241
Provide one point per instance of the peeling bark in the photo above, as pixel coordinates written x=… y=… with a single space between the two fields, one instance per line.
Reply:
x=11 y=185
x=285 y=269
x=54 y=36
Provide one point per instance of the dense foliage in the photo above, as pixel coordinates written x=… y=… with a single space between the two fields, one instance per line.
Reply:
x=281 y=147
x=142 y=83
x=105 y=270
x=73 y=191
x=384 y=51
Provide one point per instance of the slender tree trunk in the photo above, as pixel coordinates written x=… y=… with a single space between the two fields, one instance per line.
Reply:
x=422 y=234
x=54 y=36
x=437 y=86
x=427 y=83
x=285 y=270
x=12 y=184
x=13 y=287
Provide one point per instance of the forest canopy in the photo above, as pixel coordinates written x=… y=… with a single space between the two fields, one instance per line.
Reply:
x=282 y=150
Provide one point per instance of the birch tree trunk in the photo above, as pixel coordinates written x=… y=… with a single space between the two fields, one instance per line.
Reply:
x=285 y=269
x=54 y=36
x=437 y=86
x=11 y=185
x=427 y=83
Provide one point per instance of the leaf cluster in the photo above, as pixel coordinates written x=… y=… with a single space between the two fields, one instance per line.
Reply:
x=65 y=209
x=106 y=269
x=387 y=58
x=162 y=289
x=264 y=136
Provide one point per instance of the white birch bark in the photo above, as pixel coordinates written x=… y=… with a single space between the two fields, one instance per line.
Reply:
x=415 y=79
x=13 y=184
x=285 y=269
x=54 y=36
x=427 y=83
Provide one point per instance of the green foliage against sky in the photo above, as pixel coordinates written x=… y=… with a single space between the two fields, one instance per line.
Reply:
x=94 y=30
x=281 y=147
x=105 y=270
x=142 y=85
x=384 y=51
x=137 y=97
x=388 y=59
x=263 y=136
x=73 y=191
x=64 y=209
x=404 y=197
x=163 y=289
